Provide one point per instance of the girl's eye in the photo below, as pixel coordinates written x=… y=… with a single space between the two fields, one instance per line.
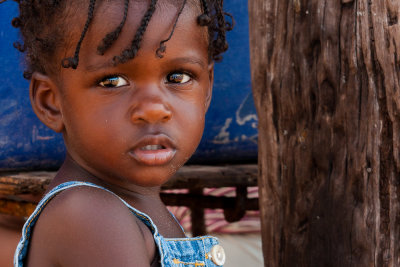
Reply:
x=113 y=82
x=178 y=77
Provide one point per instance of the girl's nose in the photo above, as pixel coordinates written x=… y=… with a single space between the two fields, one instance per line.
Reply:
x=151 y=112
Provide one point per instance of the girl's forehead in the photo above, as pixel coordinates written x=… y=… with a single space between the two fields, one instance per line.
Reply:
x=194 y=5
x=166 y=17
x=109 y=10
x=109 y=14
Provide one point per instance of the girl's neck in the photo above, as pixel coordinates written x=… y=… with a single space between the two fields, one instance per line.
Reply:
x=72 y=171
x=145 y=199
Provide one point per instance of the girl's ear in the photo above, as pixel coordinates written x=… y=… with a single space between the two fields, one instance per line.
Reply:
x=211 y=83
x=45 y=101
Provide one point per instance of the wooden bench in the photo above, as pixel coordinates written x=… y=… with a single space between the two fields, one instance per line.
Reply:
x=14 y=186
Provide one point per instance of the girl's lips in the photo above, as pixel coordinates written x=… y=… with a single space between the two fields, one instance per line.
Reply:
x=153 y=157
x=153 y=149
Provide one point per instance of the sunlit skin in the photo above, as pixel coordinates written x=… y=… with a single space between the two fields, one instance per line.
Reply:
x=127 y=127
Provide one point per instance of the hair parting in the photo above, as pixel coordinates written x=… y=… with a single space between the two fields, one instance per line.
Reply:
x=131 y=52
x=113 y=36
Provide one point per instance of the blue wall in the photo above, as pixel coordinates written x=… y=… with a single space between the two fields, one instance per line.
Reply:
x=231 y=128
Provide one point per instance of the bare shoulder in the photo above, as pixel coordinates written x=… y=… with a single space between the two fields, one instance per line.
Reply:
x=87 y=226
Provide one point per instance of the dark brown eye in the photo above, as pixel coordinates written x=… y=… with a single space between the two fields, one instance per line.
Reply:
x=113 y=82
x=178 y=77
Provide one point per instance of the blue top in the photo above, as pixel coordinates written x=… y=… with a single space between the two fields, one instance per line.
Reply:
x=196 y=251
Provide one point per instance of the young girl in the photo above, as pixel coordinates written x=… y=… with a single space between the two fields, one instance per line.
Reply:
x=127 y=83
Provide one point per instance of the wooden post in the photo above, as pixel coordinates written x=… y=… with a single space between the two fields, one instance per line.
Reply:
x=325 y=77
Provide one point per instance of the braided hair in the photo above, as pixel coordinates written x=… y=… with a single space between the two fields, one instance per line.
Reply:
x=41 y=23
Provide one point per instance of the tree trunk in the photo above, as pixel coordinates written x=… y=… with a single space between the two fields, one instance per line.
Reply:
x=326 y=87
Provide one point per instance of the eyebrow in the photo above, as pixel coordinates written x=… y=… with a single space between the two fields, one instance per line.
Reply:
x=190 y=60
x=96 y=67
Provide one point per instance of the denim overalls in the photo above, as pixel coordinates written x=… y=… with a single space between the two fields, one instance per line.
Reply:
x=184 y=252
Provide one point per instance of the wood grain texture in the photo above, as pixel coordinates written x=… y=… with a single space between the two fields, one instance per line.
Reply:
x=194 y=176
x=18 y=190
x=326 y=87
x=25 y=183
x=16 y=207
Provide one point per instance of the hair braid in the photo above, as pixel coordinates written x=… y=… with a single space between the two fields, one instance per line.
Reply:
x=16 y=22
x=73 y=62
x=112 y=36
x=45 y=27
x=131 y=52
x=219 y=43
x=161 y=49
x=204 y=19
x=19 y=46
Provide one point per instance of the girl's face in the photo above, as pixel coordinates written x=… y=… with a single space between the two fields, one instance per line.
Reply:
x=137 y=122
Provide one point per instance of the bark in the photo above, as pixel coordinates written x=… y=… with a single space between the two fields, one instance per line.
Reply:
x=325 y=79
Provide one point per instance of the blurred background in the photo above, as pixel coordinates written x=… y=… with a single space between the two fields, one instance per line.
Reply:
x=230 y=136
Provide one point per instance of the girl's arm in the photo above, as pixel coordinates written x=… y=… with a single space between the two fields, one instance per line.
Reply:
x=90 y=227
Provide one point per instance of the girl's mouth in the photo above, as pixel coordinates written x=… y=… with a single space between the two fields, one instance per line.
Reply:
x=153 y=151
x=152 y=147
x=153 y=154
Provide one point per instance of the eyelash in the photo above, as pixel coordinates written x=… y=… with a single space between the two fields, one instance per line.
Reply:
x=103 y=79
x=109 y=77
x=190 y=75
